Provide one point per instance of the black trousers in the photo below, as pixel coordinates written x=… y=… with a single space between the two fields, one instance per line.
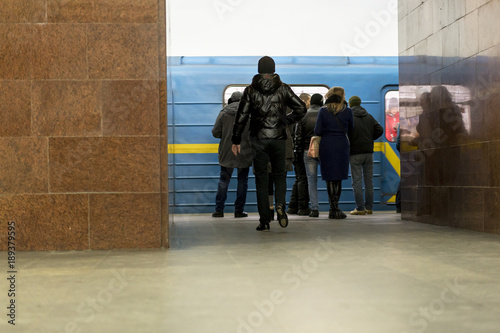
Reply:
x=265 y=151
x=300 y=192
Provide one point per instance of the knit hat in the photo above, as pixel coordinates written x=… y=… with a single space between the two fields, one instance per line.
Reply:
x=317 y=99
x=393 y=103
x=235 y=97
x=354 y=101
x=266 y=65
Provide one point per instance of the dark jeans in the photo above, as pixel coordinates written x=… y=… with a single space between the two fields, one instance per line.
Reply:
x=263 y=152
x=300 y=193
x=241 y=192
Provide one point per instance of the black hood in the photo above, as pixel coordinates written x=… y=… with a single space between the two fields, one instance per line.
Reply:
x=359 y=111
x=266 y=83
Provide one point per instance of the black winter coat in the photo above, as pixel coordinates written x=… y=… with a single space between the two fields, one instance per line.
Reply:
x=305 y=129
x=366 y=130
x=265 y=102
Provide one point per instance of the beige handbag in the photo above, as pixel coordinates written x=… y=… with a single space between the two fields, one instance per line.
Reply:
x=314 y=147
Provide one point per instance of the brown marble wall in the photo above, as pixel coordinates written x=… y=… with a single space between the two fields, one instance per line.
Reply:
x=450 y=124
x=83 y=151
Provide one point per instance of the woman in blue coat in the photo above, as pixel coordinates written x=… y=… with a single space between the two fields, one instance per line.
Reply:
x=334 y=122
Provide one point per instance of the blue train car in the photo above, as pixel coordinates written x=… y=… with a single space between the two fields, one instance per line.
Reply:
x=199 y=86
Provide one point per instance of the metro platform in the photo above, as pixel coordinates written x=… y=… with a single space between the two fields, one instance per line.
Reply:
x=372 y=273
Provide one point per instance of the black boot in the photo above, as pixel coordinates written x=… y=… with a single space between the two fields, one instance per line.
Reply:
x=334 y=189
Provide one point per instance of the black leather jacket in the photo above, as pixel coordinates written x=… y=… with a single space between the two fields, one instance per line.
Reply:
x=305 y=129
x=265 y=102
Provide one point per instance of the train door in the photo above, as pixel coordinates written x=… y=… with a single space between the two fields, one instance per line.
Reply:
x=390 y=161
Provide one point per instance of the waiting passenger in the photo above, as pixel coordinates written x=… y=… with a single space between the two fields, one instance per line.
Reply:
x=366 y=130
x=264 y=104
x=223 y=129
x=334 y=120
x=299 y=199
x=303 y=134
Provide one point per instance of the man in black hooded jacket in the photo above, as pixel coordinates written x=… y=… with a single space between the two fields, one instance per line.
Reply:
x=366 y=130
x=265 y=103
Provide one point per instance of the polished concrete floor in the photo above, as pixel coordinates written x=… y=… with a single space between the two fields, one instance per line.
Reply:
x=363 y=274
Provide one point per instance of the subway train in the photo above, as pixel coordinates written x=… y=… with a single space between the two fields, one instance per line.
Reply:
x=199 y=87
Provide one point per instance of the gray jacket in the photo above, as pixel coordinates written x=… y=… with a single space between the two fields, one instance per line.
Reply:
x=223 y=129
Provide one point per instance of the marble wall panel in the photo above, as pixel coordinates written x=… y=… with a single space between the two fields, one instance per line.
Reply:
x=60 y=52
x=123 y=51
x=67 y=108
x=15 y=108
x=47 y=222
x=129 y=221
x=16 y=51
x=116 y=164
x=492 y=211
x=102 y=11
x=70 y=11
x=24 y=165
x=22 y=11
x=131 y=108
x=461 y=176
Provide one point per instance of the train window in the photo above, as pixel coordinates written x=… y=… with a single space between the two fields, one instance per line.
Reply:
x=298 y=89
x=391 y=115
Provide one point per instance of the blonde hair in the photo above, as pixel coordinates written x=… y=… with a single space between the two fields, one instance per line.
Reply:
x=336 y=107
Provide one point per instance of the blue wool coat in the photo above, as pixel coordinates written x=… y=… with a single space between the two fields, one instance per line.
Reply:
x=334 y=146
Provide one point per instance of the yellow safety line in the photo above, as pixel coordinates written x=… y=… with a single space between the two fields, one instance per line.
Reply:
x=204 y=148
x=389 y=153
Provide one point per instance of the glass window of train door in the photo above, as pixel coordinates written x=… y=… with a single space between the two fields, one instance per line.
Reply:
x=391 y=115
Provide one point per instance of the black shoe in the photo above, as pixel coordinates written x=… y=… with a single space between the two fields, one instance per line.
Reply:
x=304 y=212
x=336 y=214
x=271 y=214
x=240 y=214
x=292 y=211
x=218 y=214
x=282 y=218
x=263 y=227
x=398 y=210
x=314 y=213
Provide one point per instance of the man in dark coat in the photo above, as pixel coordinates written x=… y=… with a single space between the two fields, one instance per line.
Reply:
x=366 y=130
x=264 y=104
x=223 y=129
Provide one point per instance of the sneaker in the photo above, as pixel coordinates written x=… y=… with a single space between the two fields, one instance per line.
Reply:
x=282 y=217
x=240 y=214
x=292 y=211
x=369 y=211
x=263 y=227
x=314 y=213
x=304 y=212
x=218 y=214
x=358 y=212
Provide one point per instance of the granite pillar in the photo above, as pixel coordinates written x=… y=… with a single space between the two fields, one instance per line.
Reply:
x=450 y=126
x=83 y=148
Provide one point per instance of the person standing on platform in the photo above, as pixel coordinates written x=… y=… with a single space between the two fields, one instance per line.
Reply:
x=264 y=104
x=299 y=199
x=223 y=129
x=303 y=134
x=334 y=121
x=366 y=130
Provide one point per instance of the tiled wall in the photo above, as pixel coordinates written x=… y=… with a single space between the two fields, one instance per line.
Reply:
x=83 y=124
x=450 y=112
